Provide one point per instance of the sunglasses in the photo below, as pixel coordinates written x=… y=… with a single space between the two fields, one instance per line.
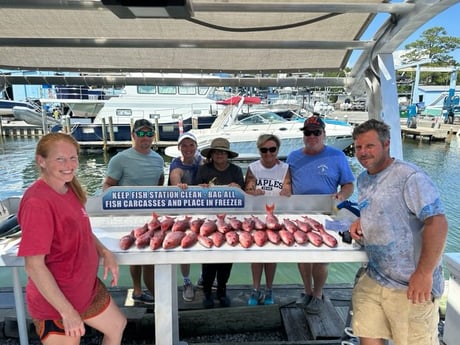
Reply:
x=316 y=133
x=144 y=134
x=266 y=149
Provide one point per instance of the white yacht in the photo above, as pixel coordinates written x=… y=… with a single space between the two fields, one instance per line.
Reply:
x=243 y=128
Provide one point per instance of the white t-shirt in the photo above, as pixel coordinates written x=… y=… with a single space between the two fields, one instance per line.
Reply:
x=269 y=179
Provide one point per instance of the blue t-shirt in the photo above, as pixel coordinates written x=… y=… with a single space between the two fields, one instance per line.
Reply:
x=190 y=170
x=132 y=168
x=394 y=204
x=321 y=173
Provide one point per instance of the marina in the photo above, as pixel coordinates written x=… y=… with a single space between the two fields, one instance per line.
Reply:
x=334 y=47
x=427 y=130
x=439 y=160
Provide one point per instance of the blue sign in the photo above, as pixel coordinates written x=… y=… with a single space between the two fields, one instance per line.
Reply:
x=125 y=198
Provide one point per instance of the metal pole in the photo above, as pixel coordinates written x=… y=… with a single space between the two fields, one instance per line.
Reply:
x=157 y=127
x=44 y=122
x=20 y=310
x=1 y=131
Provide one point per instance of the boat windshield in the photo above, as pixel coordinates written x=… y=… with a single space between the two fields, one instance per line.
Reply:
x=260 y=118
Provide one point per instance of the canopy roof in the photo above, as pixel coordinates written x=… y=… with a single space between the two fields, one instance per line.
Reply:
x=251 y=36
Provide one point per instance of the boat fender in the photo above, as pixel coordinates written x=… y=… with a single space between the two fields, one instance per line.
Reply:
x=9 y=225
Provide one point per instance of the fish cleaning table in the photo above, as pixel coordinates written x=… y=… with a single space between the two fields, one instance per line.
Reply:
x=121 y=209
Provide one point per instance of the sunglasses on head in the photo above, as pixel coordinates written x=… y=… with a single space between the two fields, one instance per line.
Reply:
x=266 y=149
x=144 y=134
x=316 y=133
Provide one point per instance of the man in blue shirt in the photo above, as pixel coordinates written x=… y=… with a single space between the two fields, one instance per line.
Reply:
x=318 y=169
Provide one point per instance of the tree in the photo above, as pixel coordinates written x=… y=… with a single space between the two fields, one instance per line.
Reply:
x=433 y=44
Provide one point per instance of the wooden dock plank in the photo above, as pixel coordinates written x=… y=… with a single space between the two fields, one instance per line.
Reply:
x=326 y=325
x=295 y=324
x=229 y=320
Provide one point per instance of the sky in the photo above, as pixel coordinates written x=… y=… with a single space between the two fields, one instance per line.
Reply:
x=447 y=19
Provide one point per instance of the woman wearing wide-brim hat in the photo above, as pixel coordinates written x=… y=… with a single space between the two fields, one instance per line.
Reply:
x=218 y=171
x=221 y=144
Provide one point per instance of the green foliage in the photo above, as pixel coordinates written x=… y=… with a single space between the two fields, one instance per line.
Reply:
x=433 y=44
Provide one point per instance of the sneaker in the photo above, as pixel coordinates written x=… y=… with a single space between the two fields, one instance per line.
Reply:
x=315 y=306
x=188 y=292
x=208 y=301
x=199 y=283
x=269 y=297
x=144 y=297
x=224 y=301
x=303 y=300
x=255 y=298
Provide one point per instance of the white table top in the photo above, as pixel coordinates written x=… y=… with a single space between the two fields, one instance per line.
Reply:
x=110 y=229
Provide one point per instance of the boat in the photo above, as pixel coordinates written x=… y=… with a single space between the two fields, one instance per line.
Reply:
x=6 y=106
x=74 y=102
x=172 y=109
x=441 y=105
x=79 y=101
x=34 y=116
x=242 y=128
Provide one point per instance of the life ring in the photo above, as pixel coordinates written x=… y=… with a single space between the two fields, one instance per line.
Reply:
x=9 y=225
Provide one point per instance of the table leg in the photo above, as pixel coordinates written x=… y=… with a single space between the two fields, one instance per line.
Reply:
x=166 y=314
x=20 y=309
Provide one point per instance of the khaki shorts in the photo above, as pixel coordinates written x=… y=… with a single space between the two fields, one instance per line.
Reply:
x=100 y=303
x=380 y=312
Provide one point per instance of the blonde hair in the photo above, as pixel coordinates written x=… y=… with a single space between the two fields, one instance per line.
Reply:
x=263 y=138
x=44 y=147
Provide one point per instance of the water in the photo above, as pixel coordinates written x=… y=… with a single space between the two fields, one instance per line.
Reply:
x=441 y=162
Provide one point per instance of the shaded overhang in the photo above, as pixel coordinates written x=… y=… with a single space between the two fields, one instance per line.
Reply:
x=259 y=37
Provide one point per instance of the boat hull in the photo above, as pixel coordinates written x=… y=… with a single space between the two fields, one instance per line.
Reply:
x=243 y=138
x=122 y=132
x=247 y=149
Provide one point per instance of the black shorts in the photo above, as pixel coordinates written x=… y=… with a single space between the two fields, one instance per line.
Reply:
x=100 y=303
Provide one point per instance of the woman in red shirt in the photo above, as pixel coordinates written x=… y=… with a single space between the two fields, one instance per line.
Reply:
x=62 y=254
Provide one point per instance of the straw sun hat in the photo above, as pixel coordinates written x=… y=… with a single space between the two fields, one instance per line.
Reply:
x=219 y=144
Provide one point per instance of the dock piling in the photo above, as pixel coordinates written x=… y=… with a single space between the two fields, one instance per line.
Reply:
x=104 y=135
x=111 y=134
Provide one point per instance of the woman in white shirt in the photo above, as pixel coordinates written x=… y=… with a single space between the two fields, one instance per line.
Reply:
x=266 y=176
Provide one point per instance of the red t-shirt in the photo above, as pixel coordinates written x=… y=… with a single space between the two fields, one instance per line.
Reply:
x=58 y=227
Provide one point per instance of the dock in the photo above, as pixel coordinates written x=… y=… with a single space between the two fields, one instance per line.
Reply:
x=427 y=133
x=116 y=145
x=427 y=130
x=284 y=320
x=19 y=129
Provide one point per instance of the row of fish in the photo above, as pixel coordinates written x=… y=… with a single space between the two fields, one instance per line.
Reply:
x=169 y=232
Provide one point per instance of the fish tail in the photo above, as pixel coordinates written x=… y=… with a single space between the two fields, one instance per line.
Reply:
x=270 y=208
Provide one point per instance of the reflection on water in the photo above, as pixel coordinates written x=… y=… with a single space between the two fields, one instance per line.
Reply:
x=18 y=169
x=442 y=163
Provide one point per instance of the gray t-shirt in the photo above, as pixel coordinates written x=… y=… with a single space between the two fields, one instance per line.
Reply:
x=132 y=168
x=394 y=204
